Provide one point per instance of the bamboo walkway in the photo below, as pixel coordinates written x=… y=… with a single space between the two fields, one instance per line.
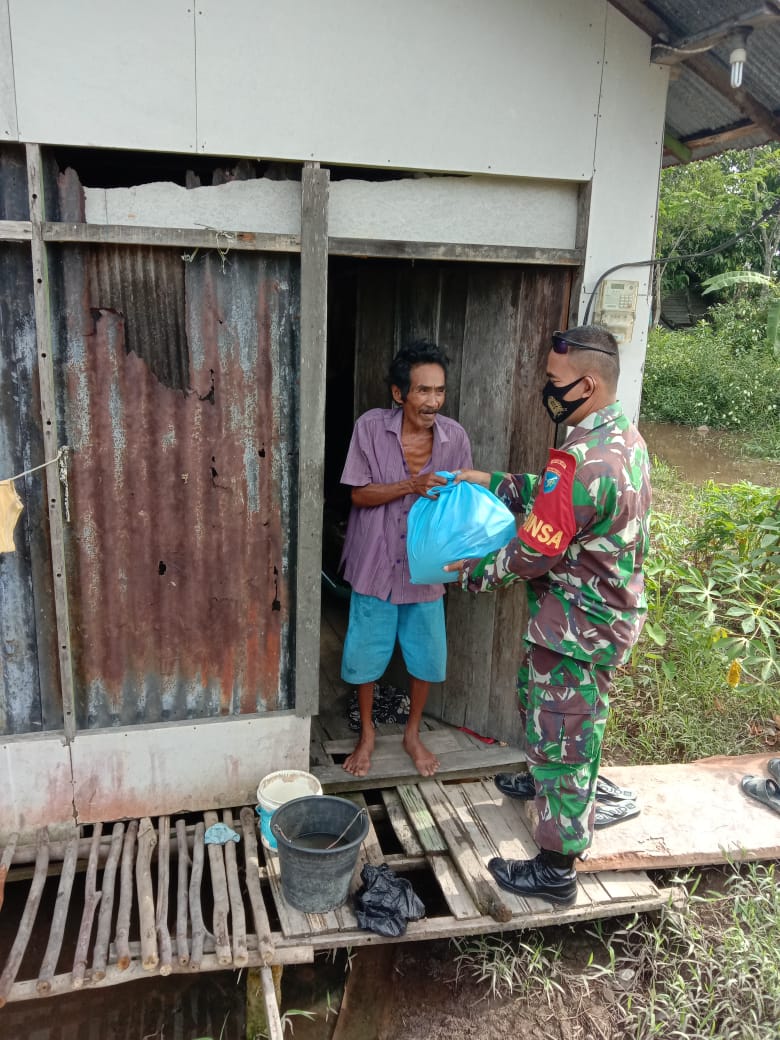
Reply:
x=149 y=897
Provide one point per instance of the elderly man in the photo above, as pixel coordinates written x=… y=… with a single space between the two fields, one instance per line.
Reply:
x=580 y=547
x=393 y=458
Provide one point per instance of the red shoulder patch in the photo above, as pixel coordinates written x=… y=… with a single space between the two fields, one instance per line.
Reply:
x=550 y=525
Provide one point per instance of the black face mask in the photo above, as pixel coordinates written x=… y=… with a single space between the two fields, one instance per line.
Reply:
x=553 y=400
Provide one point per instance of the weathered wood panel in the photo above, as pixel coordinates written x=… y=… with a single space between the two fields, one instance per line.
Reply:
x=29 y=697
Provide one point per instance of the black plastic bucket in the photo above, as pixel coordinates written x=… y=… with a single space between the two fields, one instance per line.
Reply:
x=316 y=879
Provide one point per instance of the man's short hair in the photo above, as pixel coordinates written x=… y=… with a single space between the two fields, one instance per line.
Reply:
x=419 y=352
x=607 y=365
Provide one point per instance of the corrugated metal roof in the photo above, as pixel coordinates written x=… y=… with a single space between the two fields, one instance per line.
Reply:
x=695 y=108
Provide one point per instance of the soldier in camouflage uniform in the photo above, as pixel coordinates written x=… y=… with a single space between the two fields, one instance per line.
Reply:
x=580 y=548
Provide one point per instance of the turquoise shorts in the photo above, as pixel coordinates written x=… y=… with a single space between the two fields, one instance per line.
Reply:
x=374 y=626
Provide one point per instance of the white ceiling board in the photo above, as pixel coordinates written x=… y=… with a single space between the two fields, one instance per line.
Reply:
x=106 y=73
x=8 y=127
x=442 y=85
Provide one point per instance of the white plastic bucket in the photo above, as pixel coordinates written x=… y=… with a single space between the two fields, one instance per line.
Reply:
x=276 y=789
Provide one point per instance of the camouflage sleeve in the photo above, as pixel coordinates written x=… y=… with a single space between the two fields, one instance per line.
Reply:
x=562 y=507
x=515 y=491
x=515 y=562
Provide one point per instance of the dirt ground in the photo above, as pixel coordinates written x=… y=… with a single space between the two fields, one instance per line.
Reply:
x=410 y=992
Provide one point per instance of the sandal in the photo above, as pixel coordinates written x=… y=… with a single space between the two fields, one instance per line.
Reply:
x=606 y=791
x=773 y=765
x=614 y=812
x=765 y=791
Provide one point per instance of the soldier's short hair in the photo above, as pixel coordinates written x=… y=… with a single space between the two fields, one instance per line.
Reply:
x=606 y=364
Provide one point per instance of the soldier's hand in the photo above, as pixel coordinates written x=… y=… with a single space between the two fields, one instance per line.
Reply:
x=473 y=476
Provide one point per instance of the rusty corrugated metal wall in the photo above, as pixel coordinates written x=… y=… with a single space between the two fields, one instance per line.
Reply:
x=177 y=393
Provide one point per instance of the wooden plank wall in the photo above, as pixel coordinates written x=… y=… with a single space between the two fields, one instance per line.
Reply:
x=494 y=322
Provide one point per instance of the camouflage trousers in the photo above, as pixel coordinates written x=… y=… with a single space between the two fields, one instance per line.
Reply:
x=564 y=705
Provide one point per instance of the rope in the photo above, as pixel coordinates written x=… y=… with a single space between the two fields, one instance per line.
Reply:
x=57 y=458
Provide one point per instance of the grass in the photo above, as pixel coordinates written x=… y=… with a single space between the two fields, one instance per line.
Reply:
x=708 y=969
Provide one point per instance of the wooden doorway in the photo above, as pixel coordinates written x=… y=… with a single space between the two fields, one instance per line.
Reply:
x=493 y=321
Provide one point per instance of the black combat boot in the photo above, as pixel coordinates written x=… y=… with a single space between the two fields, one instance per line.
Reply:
x=551 y=876
x=516 y=785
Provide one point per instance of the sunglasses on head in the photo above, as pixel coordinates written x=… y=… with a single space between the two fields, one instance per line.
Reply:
x=561 y=344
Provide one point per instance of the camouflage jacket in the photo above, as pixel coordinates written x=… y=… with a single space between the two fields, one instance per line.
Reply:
x=582 y=542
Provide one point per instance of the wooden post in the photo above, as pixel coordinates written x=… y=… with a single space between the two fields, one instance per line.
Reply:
x=221 y=901
x=182 y=943
x=51 y=443
x=100 y=952
x=265 y=944
x=91 y=900
x=147 y=839
x=311 y=446
x=240 y=952
x=196 y=909
x=122 y=936
x=163 y=884
x=5 y=863
x=54 y=945
x=28 y=919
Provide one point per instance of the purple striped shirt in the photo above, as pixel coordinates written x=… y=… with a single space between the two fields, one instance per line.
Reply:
x=374 y=557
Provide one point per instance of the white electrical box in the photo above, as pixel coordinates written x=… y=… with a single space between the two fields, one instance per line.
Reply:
x=616 y=308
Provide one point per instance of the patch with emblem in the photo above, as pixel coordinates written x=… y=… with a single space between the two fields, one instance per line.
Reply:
x=550 y=526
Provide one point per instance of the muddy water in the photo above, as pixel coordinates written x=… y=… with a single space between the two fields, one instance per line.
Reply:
x=703 y=454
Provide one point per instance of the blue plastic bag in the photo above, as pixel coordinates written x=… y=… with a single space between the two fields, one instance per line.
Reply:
x=462 y=520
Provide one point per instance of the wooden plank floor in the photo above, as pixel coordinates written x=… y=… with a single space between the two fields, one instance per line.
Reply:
x=150 y=884
x=461 y=754
x=691 y=814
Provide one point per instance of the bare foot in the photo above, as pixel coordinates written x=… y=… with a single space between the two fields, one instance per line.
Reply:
x=426 y=762
x=359 y=762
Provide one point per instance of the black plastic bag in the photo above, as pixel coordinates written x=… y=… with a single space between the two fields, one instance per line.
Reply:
x=385 y=902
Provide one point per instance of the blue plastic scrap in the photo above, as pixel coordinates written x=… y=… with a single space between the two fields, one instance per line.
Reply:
x=219 y=834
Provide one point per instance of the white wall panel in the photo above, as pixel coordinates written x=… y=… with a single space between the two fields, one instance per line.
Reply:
x=468 y=210
x=500 y=86
x=105 y=72
x=8 y=128
x=625 y=182
x=114 y=773
x=471 y=210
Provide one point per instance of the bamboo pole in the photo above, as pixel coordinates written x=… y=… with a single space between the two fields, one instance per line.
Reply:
x=221 y=902
x=26 y=853
x=147 y=839
x=61 y=907
x=237 y=913
x=28 y=919
x=275 y=1030
x=61 y=984
x=163 y=886
x=91 y=900
x=196 y=911
x=182 y=944
x=122 y=935
x=5 y=863
x=262 y=925
x=100 y=952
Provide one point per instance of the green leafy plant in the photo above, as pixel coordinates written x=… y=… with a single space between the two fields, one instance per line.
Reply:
x=705 y=677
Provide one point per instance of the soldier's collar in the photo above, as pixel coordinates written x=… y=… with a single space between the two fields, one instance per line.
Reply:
x=604 y=415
